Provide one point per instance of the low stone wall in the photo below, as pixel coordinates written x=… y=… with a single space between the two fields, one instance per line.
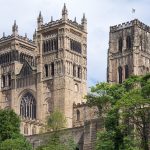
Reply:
x=75 y=133
x=84 y=136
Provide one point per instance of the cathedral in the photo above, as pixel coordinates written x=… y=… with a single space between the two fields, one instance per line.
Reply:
x=46 y=73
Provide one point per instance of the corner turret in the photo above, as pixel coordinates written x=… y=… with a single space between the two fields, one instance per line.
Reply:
x=15 y=29
x=39 y=20
x=84 y=22
x=64 y=13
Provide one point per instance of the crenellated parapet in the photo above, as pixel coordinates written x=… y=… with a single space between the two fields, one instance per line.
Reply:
x=18 y=37
x=80 y=26
x=79 y=105
x=130 y=24
x=57 y=22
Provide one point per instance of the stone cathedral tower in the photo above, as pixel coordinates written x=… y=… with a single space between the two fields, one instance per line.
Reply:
x=47 y=73
x=61 y=62
x=129 y=51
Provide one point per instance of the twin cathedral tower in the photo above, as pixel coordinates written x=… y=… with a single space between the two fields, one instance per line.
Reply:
x=50 y=72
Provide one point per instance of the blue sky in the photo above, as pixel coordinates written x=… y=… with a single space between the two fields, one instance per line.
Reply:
x=101 y=14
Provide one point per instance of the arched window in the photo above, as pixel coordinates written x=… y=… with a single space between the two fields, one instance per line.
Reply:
x=52 y=44
x=128 y=42
x=47 y=46
x=28 y=106
x=126 y=71
x=3 y=81
x=52 y=69
x=49 y=43
x=46 y=70
x=9 y=80
x=78 y=115
x=26 y=129
x=79 y=72
x=120 y=44
x=74 y=70
x=44 y=46
x=49 y=105
x=120 y=74
x=33 y=130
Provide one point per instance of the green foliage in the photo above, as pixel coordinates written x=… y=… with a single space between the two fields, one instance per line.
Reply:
x=129 y=143
x=105 y=140
x=9 y=124
x=56 y=121
x=10 y=137
x=58 y=139
x=15 y=144
x=124 y=107
x=132 y=82
x=57 y=143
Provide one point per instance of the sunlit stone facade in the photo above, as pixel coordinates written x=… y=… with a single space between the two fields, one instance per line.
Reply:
x=44 y=74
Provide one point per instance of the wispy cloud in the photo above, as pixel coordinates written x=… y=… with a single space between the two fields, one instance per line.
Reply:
x=100 y=14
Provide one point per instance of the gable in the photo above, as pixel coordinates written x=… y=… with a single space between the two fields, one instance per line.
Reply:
x=26 y=69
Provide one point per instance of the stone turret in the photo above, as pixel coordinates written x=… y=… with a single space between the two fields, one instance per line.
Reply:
x=34 y=35
x=40 y=20
x=15 y=29
x=51 y=18
x=84 y=22
x=64 y=13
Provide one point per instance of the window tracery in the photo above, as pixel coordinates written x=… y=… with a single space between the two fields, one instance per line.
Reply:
x=28 y=106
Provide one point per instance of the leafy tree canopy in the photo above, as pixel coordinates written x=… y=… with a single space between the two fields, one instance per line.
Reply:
x=9 y=124
x=56 y=121
x=126 y=113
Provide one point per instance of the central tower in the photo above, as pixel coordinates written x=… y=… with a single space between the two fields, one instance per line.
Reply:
x=61 y=63
x=128 y=52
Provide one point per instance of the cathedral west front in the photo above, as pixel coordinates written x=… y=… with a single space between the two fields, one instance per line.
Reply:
x=46 y=73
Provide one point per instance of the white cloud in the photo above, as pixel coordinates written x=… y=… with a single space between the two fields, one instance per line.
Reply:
x=101 y=14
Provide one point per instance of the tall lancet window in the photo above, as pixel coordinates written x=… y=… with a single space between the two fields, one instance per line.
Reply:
x=126 y=71
x=120 y=44
x=28 y=106
x=128 y=42
x=120 y=74
x=46 y=70
x=78 y=115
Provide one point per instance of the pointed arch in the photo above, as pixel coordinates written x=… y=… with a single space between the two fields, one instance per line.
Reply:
x=46 y=70
x=128 y=42
x=120 y=74
x=28 y=106
x=126 y=71
x=33 y=130
x=26 y=129
x=120 y=44
x=78 y=115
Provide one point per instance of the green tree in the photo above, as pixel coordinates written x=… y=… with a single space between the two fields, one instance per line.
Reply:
x=10 y=137
x=137 y=110
x=58 y=138
x=56 y=121
x=125 y=109
x=9 y=124
x=105 y=141
x=15 y=144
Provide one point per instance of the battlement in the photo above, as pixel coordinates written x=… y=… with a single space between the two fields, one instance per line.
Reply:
x=58 y=22
x=22 y=38
x=130 y=24
x=79 y=105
